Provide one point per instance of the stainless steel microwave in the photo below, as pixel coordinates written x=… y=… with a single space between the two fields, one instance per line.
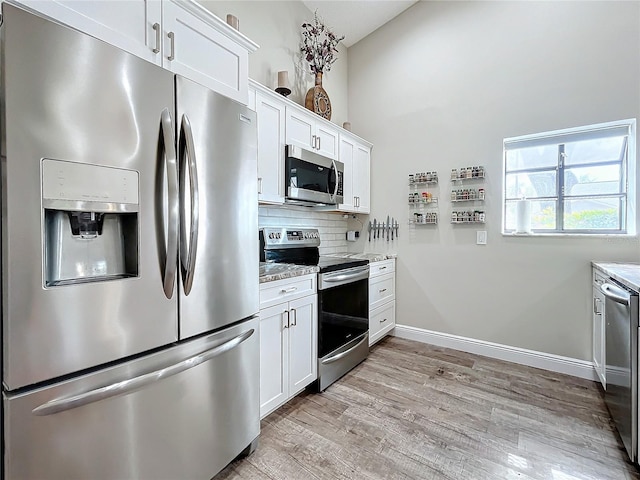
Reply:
x=312 y=178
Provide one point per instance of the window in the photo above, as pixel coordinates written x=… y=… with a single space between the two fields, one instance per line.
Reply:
x=578 y=181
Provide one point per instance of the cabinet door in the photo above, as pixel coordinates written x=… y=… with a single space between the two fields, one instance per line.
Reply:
x=303 y=343
x=274 y=358
x=362 y=178
x=271 y=119
x=599 y=334
x=327 y=141
x=347 y=151
x=195 y=49
x=300 y=129
x=127 y=25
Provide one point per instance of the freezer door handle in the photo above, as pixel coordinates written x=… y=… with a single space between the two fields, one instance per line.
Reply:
x=188 y=250
x=129 y=385
x=171 y=261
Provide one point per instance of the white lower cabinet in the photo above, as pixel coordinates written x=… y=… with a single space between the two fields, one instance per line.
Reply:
x=288 y=340
x=382 y=299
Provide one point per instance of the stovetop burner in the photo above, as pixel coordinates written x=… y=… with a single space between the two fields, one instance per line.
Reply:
x=300 y=247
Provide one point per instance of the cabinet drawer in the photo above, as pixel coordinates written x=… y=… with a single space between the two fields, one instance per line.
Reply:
x=598 y=277
x=381 y=321
x=272 y=293
x=381 y=268
x=381 y=290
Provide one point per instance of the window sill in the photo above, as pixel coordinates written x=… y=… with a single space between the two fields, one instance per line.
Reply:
x=573 y=235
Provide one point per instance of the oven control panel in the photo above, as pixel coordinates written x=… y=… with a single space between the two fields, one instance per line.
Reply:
x=274 y=237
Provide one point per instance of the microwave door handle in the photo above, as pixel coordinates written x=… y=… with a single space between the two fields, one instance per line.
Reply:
x=188 y=254
x=171 y=257
x=335 y=169
x=126 y=386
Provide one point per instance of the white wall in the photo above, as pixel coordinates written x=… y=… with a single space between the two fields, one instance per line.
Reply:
x=439 y=87
x=276 y=26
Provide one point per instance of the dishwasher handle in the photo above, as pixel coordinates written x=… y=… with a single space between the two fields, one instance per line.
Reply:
x=616 y=294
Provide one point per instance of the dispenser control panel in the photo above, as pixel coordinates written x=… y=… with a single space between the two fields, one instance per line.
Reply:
x=83 y=182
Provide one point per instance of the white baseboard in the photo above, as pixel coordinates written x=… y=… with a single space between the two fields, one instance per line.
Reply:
x=522 y=356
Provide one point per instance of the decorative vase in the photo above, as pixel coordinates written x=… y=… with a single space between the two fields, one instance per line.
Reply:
x=317 y=99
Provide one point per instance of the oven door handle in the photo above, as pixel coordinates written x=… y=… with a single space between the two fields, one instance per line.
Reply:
x=351 y=276
x=340 y=355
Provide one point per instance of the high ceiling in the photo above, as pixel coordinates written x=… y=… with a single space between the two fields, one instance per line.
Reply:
x=357 y=18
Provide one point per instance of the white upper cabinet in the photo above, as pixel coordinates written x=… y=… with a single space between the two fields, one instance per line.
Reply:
x=271 y=135
x=362 y=178
x=356 y=157
x=305 y=130
x=196 y=45
x=181 y=36
x=132 y=25
x=347 y=153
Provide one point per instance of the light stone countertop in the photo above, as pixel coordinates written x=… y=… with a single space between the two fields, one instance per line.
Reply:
x=372 y=257
x=270 y=272
x=626 y=273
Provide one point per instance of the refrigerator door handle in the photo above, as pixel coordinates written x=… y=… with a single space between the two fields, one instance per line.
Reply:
x=188 y=254
x=171 y=263
x=124 y=387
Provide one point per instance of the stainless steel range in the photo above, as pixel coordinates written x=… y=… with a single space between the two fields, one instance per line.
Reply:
x=343 y=298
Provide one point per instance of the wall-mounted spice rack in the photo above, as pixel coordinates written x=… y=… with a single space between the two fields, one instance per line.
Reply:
x=468 y=195
x=422 y=202
x=426 y=218
x=467 y=216
x=467 y=173
x=423 y=178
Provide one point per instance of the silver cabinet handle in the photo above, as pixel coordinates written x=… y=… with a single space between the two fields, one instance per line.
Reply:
x=289 y=290
x=616 y=294
x=156 y=27
x=295 y=317
x=337 y=357
x=319 y=142
x=382 y=291
x=595 y=306
x=313 y=141
x=187 y=153
x=172 y=54
x=131 y=384
x=259 y=185
x=171 y=260
x=382 y=321
x=382 y=268
x=288 y=324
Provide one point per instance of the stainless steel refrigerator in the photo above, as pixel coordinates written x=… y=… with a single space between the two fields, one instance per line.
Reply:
x=129 y=263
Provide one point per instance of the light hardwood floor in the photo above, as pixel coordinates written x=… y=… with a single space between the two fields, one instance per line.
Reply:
x=414 y=411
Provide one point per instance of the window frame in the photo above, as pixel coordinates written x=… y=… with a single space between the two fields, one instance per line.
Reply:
x=559 y=138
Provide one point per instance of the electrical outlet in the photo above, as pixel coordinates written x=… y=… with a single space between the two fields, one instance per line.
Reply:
x=481 y=237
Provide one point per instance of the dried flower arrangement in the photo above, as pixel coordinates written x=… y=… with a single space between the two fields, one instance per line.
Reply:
x=319 y=45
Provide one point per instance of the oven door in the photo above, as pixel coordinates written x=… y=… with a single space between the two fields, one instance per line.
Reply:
x=343 y=323
x=310 y=177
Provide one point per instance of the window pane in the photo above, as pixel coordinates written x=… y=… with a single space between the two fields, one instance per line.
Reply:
x=543 y=215
x=532 y=157
x=592 y=214
x=531 y=185
x=593 y=151
x=592 y=180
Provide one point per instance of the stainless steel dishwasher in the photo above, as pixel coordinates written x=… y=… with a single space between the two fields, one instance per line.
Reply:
x=621 y=365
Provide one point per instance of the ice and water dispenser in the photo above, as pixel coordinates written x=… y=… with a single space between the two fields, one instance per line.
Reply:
x=90 y=225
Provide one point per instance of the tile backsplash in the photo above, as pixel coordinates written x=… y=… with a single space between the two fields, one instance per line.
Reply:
x=332 y=226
